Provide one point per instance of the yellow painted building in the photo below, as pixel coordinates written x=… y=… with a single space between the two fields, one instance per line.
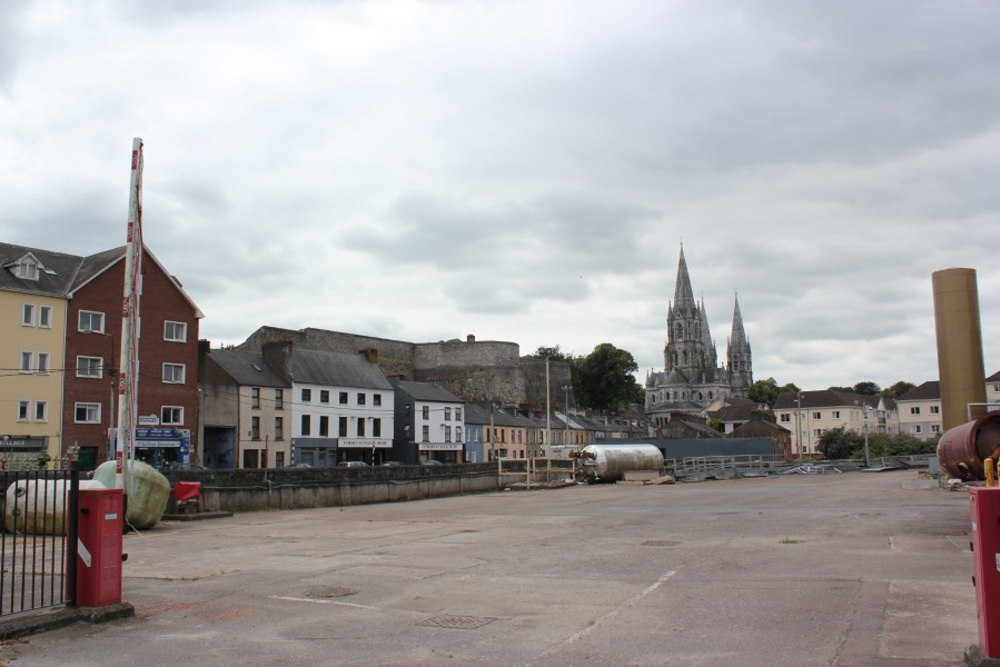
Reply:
x=32 y=347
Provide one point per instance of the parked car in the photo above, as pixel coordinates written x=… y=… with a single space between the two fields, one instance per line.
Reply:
x=352 y=464
x=432 y=462
x=391 y=464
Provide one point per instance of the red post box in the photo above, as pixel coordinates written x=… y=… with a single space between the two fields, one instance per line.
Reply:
x=99 y=548
x=985 y=509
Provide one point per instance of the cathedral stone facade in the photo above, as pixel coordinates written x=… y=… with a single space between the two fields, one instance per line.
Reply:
x=692 y=378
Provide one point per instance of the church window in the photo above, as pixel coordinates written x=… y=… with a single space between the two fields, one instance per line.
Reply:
x=710 y=396
x=680 y=330
x=700 y=397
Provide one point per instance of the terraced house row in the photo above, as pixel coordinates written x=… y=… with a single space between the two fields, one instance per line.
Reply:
x=60 y=334
x=309 y=397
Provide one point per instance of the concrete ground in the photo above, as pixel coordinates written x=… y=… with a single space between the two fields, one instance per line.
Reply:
x=856 y=569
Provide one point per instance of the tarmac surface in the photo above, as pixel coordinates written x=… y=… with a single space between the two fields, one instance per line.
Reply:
x=858 y=569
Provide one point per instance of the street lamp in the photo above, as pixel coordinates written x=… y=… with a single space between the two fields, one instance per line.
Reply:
x=867 y=461
x=798 y=421
x=566 y=389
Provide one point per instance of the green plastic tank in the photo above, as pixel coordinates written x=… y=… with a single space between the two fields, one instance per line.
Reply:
x=148 y=491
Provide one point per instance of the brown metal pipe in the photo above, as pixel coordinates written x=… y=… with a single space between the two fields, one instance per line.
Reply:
x=959 y=346
x=964 y=448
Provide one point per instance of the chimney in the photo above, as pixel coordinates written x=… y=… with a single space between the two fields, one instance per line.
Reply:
x=471 y=338
x=278 y=355
x=371 y=354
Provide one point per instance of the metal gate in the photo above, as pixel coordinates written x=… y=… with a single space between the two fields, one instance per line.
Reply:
x=37 y=538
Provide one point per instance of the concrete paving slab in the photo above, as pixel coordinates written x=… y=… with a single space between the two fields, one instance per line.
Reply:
x=834 y=570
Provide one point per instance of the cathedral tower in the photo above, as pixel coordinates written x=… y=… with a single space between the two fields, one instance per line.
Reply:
x=689 y=348
x=738 y=356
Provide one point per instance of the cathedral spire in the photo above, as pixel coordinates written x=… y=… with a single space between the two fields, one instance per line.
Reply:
x=683 y=294
x=740 y=360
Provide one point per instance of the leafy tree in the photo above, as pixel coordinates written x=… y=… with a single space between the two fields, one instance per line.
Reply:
x=849 y=390
x=898 y=444
x=898 y=389
x=767 y=391
x=603 y=379
x=839 y=443
x=551 y=353
x=717 y=424
x=867 y=388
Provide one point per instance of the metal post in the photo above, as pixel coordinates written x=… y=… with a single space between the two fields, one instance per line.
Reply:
x=867 y=460
x=566 y=389
x=72 y=531
x=798 y=421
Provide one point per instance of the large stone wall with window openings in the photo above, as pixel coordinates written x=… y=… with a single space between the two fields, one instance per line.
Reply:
x=476 y=371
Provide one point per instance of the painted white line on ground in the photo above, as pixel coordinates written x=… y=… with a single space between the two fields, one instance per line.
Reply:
x=321 y=601
x=628 y=604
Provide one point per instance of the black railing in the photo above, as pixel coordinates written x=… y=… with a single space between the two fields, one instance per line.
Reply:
x=39 y=527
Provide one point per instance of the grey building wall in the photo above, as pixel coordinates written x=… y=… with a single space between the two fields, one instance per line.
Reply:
x=476 y=371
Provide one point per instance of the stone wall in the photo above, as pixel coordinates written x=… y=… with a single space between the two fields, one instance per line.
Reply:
x=475 y=371
x=254 y=490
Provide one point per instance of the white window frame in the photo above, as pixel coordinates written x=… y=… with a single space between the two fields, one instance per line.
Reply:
x=784 y=418
x=171 y=376
x=170 y=331
x=836 y=414
x=27 y=269
x=915 y=410
x=918 y=429
x=90 y=315
x=935 y=428
x=94 y=367
x=28 y=315
x=935 y=409
x=41 y=411
x=167 y=412
x=43 y=363
x=45 y=317
x=23 y=411
x=92 y=416
x=27 y=361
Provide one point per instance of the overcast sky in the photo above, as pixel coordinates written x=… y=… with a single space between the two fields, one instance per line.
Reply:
x=527 y=171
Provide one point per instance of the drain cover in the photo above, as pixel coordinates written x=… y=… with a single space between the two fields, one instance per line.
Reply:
x=329 y=592
x=660 y=543
x=459 y=622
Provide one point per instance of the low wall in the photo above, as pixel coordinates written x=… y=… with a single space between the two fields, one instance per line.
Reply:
x=253 y=490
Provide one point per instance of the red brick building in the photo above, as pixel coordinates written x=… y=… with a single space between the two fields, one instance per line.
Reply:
x=168 y=358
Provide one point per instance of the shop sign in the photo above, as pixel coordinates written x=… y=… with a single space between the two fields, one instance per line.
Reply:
x=364 y=443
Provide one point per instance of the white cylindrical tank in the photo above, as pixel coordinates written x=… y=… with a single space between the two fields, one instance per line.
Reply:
x=38 y=507
x=609 y=463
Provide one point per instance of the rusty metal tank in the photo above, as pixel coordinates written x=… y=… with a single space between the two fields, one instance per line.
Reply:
x=609 y=463
x=963 y=448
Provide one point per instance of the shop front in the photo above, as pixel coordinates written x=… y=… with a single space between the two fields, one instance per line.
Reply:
x=442 y=452
x=21 y=452
x=373 y=451
x=162 y=447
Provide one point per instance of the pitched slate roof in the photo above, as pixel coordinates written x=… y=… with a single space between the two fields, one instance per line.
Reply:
x=336 y=369
x=56 y=270
x=248 y=368
x=823 y=398
x=927 y=391
x=994 y=378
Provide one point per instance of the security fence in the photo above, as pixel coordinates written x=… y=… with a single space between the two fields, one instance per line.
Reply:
x=37 y=539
